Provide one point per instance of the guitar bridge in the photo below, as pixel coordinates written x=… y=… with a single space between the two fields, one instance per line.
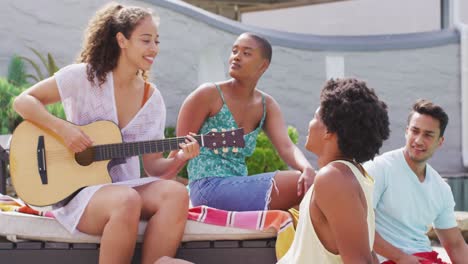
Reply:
x=41 y=160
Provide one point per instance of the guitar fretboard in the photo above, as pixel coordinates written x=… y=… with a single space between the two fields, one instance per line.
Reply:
x=129 y=149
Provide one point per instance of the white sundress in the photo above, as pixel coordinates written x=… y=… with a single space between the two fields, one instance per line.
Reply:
x=84 y=103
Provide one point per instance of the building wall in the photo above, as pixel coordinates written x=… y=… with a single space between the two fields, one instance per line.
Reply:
x=195 y=47
x=356 y=17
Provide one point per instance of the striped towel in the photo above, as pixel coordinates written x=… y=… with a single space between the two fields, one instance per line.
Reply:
x=10 y=204
x=281 y=221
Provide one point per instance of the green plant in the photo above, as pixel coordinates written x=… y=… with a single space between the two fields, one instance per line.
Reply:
x=49 y=64
x=17 y=72
x=57 y=110
x=9 y=119
x=265 y=157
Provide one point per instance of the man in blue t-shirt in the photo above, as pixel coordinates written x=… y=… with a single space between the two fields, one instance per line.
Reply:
x=410 y=196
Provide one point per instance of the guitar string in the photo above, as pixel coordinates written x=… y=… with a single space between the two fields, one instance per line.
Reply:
x=136 y=146
x=124 y=147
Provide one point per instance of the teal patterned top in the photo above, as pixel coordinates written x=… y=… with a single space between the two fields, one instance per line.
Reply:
x=210 y=164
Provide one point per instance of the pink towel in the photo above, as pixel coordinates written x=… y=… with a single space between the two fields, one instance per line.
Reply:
x=280 y=221
x=8 y=203
x=254 y=220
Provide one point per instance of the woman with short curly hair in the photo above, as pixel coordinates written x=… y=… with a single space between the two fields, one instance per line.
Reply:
x=109 y=83
x=336 y=220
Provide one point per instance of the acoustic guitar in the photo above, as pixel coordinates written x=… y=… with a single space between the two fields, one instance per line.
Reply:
x=44 y=171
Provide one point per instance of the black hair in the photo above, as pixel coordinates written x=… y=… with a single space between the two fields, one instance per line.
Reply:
x=426 y=107
x=354 y=112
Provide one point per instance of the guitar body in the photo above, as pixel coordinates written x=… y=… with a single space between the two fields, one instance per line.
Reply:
x=64 y=175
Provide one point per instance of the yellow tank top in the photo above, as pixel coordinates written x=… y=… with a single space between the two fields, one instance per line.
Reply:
x=306 y=247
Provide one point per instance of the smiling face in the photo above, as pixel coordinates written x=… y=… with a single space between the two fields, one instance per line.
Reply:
x=246 y=59
x=142 y=47
x=422 y=138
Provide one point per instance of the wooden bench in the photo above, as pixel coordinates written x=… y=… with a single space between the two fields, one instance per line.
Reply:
x=226 y=252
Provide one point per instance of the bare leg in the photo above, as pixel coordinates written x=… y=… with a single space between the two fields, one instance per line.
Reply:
x=286 y=195
x=114 y=213
x=165 y=206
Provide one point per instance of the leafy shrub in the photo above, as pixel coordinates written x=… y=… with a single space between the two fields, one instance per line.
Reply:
x=16 y=82
x=49 y=64
x=265 y=157
x=57 y=110
x=17 y=72
x=9 y=119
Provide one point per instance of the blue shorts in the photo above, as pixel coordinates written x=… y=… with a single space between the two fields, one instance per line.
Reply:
x=235 y=193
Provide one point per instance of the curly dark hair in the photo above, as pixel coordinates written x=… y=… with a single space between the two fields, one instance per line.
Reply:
x=100 y=48
x=354 y=112
x=426 y=107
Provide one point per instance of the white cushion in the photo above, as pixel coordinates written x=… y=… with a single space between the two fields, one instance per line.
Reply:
x=18 y=226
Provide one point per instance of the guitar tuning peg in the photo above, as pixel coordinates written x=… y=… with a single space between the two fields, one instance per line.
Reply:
x=214 y=130
x=235 y=150
x=232 y=128
x=223 y=130
x=225 y=149
x=216 y=151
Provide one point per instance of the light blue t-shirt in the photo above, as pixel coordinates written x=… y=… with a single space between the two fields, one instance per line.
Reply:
x=404 y=207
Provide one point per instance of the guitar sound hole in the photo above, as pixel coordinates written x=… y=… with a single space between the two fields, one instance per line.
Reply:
x=85 y=158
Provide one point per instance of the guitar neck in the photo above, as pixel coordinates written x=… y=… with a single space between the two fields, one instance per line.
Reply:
x=129 y=149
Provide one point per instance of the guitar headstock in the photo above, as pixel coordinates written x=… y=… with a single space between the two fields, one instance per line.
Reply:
x=224 y=139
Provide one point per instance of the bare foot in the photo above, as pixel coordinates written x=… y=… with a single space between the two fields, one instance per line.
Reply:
x=169 y=260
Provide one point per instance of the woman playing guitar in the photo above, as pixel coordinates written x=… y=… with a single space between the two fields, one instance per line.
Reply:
x=109 y=83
